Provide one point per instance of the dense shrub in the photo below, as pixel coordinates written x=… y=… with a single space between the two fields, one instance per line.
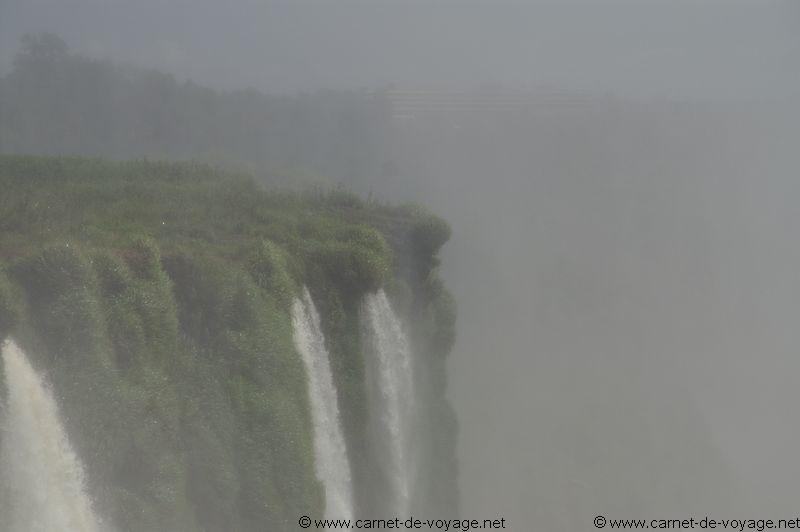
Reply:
x=429 y=233
x=9 y=307
x=268 y=265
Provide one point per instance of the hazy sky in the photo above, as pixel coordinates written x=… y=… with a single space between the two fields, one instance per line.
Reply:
x=643 y=48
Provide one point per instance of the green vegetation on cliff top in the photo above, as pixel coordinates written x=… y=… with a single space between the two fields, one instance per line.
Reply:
x=155 y=298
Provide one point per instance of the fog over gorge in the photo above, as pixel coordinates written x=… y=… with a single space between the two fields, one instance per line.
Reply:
x=525 y=260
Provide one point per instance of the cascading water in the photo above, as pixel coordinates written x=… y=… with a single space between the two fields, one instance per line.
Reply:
x=390 y=390
x=332 y=465
x=41 y=476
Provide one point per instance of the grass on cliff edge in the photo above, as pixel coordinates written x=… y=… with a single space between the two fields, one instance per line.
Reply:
x=110 y=204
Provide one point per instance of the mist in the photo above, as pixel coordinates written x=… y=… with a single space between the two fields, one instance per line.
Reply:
x=632 y=336
x=621 y=179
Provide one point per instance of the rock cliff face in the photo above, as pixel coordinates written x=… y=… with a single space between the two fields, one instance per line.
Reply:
x=156 y=299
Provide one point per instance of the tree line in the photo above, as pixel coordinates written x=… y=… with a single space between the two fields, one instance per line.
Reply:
x=57 y=102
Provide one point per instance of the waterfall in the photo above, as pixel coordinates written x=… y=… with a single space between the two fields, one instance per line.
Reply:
x=332 y=466
x=390 y=394
x=40 y=474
